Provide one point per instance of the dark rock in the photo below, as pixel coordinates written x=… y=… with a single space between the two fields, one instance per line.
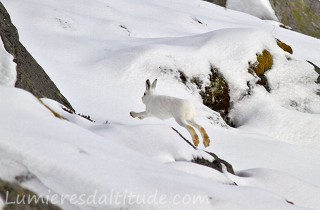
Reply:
x=317 y=69
x=30 y=75
x=215 y=164
x=14 y=193
x=301 y=15
x=264 y=82
x=222 y=3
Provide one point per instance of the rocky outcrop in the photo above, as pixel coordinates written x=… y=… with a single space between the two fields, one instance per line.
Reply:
x=19 y=198
x=301 y=15
x=30 y=75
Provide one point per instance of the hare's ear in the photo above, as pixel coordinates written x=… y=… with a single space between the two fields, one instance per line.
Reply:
x=148 y=84
x=154 y=84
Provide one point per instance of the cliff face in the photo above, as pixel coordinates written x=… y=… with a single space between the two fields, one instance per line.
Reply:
x=30 y=75
x=301 y=15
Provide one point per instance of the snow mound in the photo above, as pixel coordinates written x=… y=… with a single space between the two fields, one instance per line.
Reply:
x=259 y=8
x=8 y=72
x=260 y=114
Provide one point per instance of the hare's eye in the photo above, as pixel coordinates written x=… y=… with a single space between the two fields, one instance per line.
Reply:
x=144 y=94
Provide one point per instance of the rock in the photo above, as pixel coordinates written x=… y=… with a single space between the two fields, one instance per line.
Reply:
x=12 y=192
x=301 y=15
x=317 y=69
x=30 y=75
x=284 y=46
x=216 y=164
x=221 y=3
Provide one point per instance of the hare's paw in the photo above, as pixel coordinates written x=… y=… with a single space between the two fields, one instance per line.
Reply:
x=195 y=140
x=206 y=141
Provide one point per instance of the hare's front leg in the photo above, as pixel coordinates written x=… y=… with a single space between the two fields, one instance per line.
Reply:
x=140 y=115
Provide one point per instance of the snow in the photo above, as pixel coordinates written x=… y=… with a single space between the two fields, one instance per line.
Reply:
x=100 y=53
x=259 y=8
x=60 y=161
x=1 y=203
x=204 y=172
x=281 y=184
x=8 y=72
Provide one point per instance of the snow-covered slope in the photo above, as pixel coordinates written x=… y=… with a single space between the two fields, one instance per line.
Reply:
x=99 y=53
x=62 y=159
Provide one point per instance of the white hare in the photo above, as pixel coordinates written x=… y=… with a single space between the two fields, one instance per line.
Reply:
x=165 y=107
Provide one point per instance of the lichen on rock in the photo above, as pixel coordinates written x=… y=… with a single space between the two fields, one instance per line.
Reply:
x=284 y=46
x=263 y=64
x=216 y=94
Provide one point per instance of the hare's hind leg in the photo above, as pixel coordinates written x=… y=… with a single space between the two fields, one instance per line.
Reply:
x=191 y=130
x=205 y=137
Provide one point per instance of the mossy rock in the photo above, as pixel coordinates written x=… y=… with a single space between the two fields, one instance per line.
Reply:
x=216 y=94
x=284 y=46
x=14 y=193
